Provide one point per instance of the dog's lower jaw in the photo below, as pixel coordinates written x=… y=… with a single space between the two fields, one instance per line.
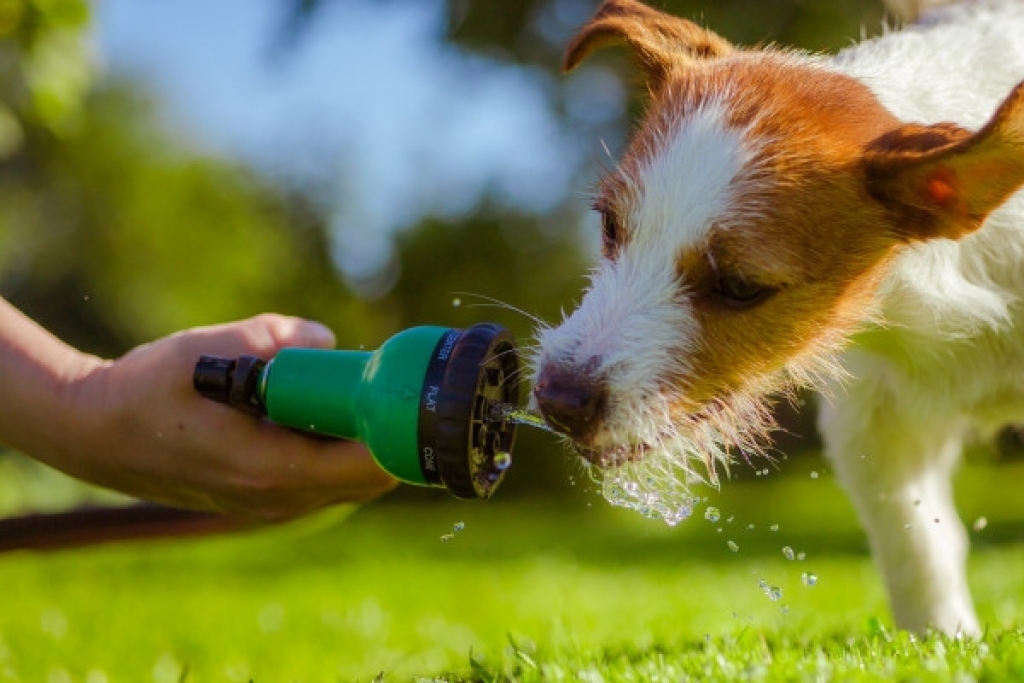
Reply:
x=694 y=446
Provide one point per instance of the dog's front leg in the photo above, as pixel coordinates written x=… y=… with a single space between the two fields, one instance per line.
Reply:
x=897 y=464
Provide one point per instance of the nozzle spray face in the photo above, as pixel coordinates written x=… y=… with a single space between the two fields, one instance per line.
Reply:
x=473 y=449
x=423 y=403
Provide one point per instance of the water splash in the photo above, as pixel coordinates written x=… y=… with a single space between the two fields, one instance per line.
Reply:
x=654 y=495
x=510 y=412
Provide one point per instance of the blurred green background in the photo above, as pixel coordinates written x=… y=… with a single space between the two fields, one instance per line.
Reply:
x=123 y=219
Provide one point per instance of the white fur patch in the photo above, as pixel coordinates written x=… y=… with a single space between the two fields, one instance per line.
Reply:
x=956 y=67
x=635 y=325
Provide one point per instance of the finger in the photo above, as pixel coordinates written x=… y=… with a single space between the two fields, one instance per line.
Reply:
x=293 y=475
x=344 y=469
x=285 y=331
x=263 y=335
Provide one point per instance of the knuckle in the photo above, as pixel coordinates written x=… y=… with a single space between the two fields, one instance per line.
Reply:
x=269 y=321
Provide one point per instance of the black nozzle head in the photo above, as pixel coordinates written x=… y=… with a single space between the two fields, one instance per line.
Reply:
x=234 y=381
x=473 y=447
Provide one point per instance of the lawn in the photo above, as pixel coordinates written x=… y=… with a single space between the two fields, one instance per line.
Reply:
x=556 y=590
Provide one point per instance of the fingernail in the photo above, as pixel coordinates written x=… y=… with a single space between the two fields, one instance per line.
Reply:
x=319 y=334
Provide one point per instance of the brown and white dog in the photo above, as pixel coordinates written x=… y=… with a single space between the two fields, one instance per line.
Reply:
x=779 y=219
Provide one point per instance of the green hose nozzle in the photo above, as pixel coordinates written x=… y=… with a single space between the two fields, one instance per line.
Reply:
x=422 y=403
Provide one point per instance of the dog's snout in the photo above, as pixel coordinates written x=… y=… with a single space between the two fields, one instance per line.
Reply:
x=571 y=400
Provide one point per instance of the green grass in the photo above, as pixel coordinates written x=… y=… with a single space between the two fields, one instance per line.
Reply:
x=527 y=591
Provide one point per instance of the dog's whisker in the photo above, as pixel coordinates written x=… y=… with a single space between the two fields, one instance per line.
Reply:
x=489 y=301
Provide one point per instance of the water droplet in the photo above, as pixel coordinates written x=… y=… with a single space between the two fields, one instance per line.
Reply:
x=774 y=593
x=765 y=472
x=980 y=523
x=801 y=556
x=458 y=526
x=502 y=460
x=788 y=552
x=712 y=514
x=774 y=527
x=719 y=530
x=750 y=527
x=808 y=579
x=814 y=474
x=784 y=609
x=731 y=517
x=732 y=546
x=447 y=537
x=456 y=302
x=673 y=517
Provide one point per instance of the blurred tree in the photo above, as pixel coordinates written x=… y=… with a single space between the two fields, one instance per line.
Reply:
x=535 y=31
x=116 y=235
x=45 y=68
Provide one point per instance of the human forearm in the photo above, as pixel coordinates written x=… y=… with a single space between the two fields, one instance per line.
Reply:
x=40 y=372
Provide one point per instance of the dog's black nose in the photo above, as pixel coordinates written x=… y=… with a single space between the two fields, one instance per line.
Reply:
x=571 y=400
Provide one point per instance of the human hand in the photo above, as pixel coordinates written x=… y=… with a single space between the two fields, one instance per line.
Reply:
x=141 y=428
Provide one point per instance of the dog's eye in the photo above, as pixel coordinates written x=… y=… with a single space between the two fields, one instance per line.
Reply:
x=739 y=293
x=611 y=233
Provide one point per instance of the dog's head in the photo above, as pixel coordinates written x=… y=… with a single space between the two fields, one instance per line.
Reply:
x=745 y=232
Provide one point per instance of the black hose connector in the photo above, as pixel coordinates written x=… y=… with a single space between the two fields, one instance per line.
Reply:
x=235 y=382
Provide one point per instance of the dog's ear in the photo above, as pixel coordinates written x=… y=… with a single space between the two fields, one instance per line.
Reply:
x=659 y=42
x=942 y=180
